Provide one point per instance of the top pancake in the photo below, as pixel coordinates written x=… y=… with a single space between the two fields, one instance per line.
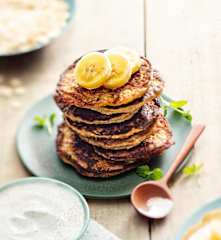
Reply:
x=70 y=93
x=155 y=88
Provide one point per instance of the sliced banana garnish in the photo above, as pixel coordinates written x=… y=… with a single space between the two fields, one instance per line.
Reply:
x=121 y=71
x=132 y=56
x=111 y=69
x=93 y=70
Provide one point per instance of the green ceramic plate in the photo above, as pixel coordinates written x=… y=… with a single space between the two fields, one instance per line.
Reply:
x=71 y=5
x=197 y=216
x=37 y=151
x=32 y=180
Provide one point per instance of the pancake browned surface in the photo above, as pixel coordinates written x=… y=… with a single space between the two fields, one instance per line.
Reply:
x=155 y=87
x=88 y=116
x=110 y=131
x=157 y=142
x=72 y=150
x=139 y=122
x=125 y=143
x=81 y=97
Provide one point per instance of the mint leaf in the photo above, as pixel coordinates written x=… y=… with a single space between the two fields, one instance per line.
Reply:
x=156 y=174
x=178 y=104
x=52 y=118
x=188 y=116
x=193 y=169
x=145 y=172
x=46 y=122
x=165 y=110
x=39 y=121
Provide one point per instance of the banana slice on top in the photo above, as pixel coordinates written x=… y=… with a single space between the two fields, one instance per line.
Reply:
x=92 y=70
x=132 y=56
x=121 y=71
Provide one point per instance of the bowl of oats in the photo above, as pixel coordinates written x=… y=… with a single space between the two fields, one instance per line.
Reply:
x=28 y=25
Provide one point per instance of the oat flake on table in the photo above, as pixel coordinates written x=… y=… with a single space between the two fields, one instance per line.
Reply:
x=5 y=91
x=15 y=82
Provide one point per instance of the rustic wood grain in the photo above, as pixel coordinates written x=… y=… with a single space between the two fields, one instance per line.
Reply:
x=183 y=41
x=98 y=24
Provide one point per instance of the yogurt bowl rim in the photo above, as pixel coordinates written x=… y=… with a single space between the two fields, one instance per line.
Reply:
x=66 y=186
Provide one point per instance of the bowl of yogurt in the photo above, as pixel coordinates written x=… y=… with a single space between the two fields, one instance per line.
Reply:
x=42 y=208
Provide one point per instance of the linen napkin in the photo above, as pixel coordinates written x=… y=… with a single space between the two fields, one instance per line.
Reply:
x=96 y=231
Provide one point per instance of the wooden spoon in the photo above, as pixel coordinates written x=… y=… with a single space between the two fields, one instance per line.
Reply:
x=159 y=189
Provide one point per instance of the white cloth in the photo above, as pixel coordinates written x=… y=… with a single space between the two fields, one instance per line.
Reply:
x=96 y=231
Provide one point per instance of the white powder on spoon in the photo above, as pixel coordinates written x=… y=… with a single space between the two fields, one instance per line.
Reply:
x=158 y=207
x=40 y=210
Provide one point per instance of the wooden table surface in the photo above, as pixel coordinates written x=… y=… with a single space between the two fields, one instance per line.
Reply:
x=182 y=39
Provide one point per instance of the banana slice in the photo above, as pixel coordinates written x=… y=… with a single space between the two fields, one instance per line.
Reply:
x=132 y=56
x=121 y=71
x=92 y=70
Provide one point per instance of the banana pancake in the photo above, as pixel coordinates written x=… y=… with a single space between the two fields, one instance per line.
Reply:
x=72 y=150
x=125 y=143
x=157 y=142
x=139 y=122
x=135 y=88
x=83 y=115
x=155 y=87
x=98 y=174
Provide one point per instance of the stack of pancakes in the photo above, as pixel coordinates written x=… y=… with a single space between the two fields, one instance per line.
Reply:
x=107 y=132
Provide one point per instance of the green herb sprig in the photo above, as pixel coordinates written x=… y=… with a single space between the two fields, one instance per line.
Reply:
x=46 y=122
x=145 y=172
x=176 y=106
x=193 y=170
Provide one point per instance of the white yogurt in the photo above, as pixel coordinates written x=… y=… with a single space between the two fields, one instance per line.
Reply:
x=158 y=207
x=40 y=210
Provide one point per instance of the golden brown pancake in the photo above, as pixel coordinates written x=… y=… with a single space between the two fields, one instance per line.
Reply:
x=155 y=144
x=98 y=174
x=155 y=87
x=83 y=115
x=125 y=143
x=135 y=88
x=139 y=122
x=72 y=150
